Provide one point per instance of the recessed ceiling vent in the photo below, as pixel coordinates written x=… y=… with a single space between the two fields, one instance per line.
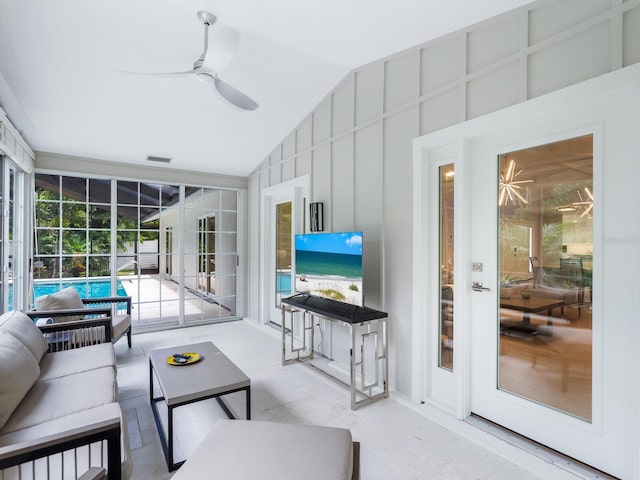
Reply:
x=158 y=159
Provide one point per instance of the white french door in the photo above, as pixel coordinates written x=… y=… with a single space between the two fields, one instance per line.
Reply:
x=532 y=358
x=546 y=260
x=543 y=339
x=283 y=217
x=282 y=258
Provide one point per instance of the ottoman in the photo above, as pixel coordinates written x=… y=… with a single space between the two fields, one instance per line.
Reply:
x=247 y=450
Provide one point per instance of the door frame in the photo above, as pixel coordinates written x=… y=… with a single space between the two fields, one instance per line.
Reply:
x=298 y=189
x=431 y=383
x=603 y=90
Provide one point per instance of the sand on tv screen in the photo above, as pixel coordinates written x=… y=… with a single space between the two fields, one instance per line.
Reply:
x=330 y=265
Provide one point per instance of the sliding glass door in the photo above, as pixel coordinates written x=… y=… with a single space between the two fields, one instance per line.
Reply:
x=172 y=248
x=12 y=291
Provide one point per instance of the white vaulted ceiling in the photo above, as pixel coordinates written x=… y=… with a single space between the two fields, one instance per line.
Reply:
x=62 y=85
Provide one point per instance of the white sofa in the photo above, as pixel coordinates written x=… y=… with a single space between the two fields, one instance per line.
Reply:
x=57 y=402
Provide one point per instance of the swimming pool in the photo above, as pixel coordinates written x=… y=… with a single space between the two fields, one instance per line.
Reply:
x=283 y=282
x=86 y=289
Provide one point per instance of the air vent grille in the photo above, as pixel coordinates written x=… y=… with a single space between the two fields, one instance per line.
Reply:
x=158 y=159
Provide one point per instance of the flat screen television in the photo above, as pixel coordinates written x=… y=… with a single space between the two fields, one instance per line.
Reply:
x=330 y=265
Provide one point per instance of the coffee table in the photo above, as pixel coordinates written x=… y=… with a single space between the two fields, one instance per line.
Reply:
x=528 y=306
x=211 y=377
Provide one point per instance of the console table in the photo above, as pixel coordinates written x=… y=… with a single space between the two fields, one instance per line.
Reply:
x=372 y=325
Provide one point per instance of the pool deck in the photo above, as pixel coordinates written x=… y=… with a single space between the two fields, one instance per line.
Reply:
x=156 y=302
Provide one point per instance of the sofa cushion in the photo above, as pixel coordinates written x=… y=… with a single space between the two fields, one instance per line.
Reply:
x=246 y=450
x=57 y=397
x=18 y=372
x=67 y=298
x=22 y=327
x=76 y=360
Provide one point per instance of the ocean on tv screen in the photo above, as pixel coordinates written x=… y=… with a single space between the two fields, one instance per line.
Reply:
x=330 y=265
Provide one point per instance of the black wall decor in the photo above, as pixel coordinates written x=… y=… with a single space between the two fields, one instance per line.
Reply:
x=316 y=220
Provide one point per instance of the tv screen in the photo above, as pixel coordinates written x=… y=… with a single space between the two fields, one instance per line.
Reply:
x=330 y=265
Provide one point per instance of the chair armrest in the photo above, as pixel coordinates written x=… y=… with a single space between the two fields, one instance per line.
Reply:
x=112 y=300
x=68 y=312
x=106 y=429
x=59 y=334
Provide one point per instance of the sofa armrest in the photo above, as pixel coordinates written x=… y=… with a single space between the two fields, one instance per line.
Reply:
x=107 y=428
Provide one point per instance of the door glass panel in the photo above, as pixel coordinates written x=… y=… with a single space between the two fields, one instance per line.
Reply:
x=446 y=266
x=207 y=257
x=283 y=251
x=168 y=251
x=12 y=242
x=13 y=206
x=3 y=290
x=545 y=264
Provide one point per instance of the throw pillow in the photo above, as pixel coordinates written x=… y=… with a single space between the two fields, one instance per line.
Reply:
x=18 y=372
x=67 y=298
x=23 y=328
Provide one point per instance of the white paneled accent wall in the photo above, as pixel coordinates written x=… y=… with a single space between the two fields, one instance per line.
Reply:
x=357 y=143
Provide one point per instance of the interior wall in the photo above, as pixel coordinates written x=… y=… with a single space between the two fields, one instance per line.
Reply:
x=357 y=143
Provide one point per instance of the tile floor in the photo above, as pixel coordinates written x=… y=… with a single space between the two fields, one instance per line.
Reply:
x=399 y=440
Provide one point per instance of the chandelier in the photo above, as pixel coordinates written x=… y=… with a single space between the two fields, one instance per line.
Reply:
x=587 y=203
x=510 y=187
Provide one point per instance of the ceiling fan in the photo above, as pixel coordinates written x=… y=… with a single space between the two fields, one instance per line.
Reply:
x=213 y=59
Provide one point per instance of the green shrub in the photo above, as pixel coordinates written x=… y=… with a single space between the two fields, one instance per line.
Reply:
x=332 y=294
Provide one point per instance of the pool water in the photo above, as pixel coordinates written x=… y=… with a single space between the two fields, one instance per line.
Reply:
x=88 y=289
x=283 y=282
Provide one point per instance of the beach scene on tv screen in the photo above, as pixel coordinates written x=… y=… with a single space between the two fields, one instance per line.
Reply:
x=330 y=265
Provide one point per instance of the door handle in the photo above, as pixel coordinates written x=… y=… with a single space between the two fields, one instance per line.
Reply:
x=477 y=287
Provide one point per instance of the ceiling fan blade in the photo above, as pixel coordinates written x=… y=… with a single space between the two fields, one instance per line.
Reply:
x=161 y=74
x=233 y=96
x=222 y=47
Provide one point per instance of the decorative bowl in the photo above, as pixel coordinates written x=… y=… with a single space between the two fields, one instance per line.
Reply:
x=526 y=294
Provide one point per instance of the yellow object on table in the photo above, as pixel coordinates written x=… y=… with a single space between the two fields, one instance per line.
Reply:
x=186 y=358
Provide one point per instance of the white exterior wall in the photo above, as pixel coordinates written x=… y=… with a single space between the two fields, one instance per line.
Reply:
x=357 y=143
